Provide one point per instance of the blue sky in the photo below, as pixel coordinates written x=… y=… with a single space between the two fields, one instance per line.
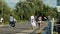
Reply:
x=12 y=3
x=51 y=3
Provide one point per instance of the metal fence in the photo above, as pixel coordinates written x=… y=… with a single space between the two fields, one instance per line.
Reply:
x=49 y=28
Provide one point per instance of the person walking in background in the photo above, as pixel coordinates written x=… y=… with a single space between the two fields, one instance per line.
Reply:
x=32 y=21
x=11 y=21
x=14 y=22
x=40 y=20
x=49 y=18
x=1 y=21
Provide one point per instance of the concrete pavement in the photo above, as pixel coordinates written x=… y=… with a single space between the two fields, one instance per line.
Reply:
x=19 y=29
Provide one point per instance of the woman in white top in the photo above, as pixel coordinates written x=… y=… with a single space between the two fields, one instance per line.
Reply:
x=33 y=22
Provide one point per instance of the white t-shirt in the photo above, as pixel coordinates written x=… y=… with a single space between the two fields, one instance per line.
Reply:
x=40 y=18
x=14 y=19
x=33 y=21
x=11 y=18
x=32 y=18
x=1 y=20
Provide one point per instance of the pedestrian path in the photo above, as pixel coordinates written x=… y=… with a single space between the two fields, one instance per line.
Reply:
x=40 y=30
x=21 y=29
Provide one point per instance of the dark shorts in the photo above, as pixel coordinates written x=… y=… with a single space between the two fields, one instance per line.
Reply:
x=12 y=24
x=38 y=24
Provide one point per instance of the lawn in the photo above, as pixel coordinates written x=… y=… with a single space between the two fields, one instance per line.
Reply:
x=54 y=32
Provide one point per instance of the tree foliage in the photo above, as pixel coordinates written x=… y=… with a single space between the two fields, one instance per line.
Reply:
x=36 y=7
x=24 y=9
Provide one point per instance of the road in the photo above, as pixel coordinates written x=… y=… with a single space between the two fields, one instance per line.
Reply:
x=19 y=29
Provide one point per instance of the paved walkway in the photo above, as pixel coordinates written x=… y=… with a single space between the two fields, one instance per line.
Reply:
x=21 y=29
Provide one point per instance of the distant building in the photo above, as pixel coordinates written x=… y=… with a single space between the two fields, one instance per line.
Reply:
x=58 y=2
x=58 y=8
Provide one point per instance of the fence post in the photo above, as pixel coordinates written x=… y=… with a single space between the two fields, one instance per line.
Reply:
x=52 y=25
x=49 y=29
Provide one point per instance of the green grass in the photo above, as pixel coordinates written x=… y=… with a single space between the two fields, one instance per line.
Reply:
x=21 y=21
x=54 y=32
x=39 y=33
x=55 y=21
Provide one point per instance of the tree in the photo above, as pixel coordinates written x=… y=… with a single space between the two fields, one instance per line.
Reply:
x=5 y=9
x=26 y=8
